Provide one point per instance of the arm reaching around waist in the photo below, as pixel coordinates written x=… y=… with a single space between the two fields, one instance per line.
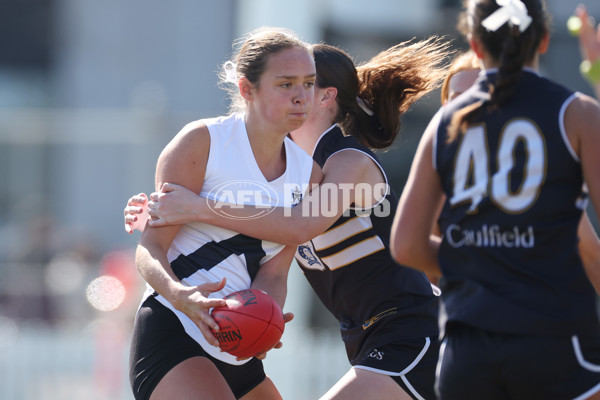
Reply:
x=272 y=279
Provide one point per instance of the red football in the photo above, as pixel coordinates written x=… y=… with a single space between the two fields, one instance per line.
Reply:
x=251 y=323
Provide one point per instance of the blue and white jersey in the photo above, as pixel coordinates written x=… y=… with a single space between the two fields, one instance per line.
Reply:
x=513 y=184
x=202 y=253
x=350 y=268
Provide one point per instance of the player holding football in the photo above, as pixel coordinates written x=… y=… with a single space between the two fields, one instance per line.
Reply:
x=387 y=313
x=174 y=355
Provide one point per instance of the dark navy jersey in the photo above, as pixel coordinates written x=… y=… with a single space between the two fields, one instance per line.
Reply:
x=513 y=185
x=350 y=268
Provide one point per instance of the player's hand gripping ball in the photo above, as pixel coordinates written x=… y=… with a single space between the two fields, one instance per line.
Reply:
x=251 y=323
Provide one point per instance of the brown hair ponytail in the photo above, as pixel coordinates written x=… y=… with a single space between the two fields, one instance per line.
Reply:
x=387 y=85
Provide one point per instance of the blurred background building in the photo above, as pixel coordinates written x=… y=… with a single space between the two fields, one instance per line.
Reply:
x=90 y=92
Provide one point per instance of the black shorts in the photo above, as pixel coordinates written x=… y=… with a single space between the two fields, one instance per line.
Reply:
x=159 y=343
x=478 y=364
x=410 y=362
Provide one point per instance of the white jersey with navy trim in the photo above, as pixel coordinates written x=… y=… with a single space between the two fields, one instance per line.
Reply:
x=202 y=253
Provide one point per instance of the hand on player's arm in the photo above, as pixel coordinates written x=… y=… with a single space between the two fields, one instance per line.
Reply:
x=272 y=279
x=175 y=205
x=134 y=212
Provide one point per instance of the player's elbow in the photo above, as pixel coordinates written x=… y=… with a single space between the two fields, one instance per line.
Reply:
x=406 y=252
x=401 y=252
x=296 y=236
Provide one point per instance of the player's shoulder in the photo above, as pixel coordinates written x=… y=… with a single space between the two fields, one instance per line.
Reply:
x=204 y=125
x=583 y=109
x=190 y=138
x=582 y=116
x=586 y=103
x=192 y=134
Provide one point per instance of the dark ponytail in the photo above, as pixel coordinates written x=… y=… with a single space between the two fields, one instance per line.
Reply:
x=507 y=46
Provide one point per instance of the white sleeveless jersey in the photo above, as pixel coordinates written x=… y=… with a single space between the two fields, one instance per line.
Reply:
x=202 y=253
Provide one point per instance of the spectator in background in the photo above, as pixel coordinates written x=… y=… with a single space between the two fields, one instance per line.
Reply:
x=589 y=44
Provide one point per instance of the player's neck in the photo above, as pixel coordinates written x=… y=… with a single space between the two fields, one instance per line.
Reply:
x=307 y=135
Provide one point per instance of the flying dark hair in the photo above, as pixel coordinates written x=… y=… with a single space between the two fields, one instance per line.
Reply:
x=387 y=86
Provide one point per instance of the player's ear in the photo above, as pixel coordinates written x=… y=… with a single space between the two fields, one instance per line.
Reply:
x=475 y=46
x=544 y=43
x=328 y=96
x=246 y=88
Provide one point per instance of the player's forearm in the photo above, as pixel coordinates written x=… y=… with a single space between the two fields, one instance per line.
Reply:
x=275 y=286
x=589 y=250
x=154 y=268
x=272 y=276
x=280 y=225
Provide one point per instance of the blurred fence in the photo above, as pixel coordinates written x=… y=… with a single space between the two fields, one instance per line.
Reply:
x=90 y=362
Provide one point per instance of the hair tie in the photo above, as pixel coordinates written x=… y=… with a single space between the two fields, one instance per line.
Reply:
x=511 y=11
x=365 y=106
x=230 y=72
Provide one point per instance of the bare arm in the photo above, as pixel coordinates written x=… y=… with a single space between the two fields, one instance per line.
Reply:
x=411 y=242
x=272 y=275
x=589 y=249
x=272 y=279
x=182 y=161
x=318 y=210
x=582 y=124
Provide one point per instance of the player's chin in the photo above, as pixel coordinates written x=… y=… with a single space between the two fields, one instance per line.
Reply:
x=296 y=120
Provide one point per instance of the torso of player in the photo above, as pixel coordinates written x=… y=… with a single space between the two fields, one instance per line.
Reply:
x=203 y=253
x=514 y=199
x=349 y=265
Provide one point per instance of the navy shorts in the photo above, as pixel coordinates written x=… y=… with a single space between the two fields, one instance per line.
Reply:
x=159 y=343
x=478 y=364
x=410 y=362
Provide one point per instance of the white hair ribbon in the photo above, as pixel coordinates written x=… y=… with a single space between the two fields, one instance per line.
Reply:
x=230 y=72
x=513 y=11
x=365 y=106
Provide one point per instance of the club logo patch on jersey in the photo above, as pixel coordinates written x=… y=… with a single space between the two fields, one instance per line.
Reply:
x=309 y=260
x=296 y=195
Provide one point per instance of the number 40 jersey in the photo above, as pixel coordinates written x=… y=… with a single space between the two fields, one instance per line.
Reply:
x=514 y=199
